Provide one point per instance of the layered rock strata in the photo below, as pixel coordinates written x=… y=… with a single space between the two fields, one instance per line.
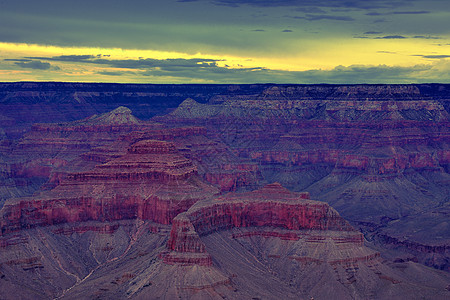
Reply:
x=271 y=211
x=50 y=153
x=373 y=153
x=273 y=235
x=151 y=182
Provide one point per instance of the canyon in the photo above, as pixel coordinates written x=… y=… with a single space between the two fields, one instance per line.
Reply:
x=224 y=191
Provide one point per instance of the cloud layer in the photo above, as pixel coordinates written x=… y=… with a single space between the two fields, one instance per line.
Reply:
x=208 y=70
x=225 y=40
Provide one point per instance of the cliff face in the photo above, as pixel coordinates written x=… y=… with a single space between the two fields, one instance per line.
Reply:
x=272 y=206
x=185 y=245
x=23 y=104
x=373 y=137
x=142 y=205
x=279 y=239
x=50 y=153
x=242 y=234
x=151 y=182
x=271 y=212
x=215 y=162
x=375 y=153
x=73 y=138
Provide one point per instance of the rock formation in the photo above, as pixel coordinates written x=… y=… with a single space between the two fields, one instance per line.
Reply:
x=113 y=206
x=273 y=235
x=375 y=153
x=272 y=206
x=151 y=182
x=50 y=152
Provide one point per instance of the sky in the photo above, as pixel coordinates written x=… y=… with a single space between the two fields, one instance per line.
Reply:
x=225 y=41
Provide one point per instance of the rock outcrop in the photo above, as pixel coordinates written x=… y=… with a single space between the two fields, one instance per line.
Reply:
x=185 y=245
x=151 y=182
x=290 y=247
x=243 y=234
x=49 y=153
x=44 y=153
x=270 y=207
x=375 y=153
x=113 y=206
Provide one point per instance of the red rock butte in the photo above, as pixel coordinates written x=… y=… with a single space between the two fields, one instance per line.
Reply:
x=152 y=181
x=271 y=211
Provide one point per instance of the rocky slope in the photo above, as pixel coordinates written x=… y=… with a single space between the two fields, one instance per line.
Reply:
x=266 y=244
x=378 y=154
x=152 y=181
x=113 y=206
x=291 y=247
x=49 y=152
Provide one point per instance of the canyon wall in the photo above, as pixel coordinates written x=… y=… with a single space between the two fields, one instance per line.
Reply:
x=144 y=205
x=376 y=153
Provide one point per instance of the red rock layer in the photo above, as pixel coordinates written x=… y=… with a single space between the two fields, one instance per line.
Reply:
x=145 y=160
x=45 y=151
x=151 y=182
x=271 y=207
x=184 y=245
x=265 y=210
x=369 y=136
x=215 y=162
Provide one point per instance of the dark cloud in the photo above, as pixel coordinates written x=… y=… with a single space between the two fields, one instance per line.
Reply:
x=149 y=63
x=390 y=37
x=435 y=56
x=72 y=58
x=188 y=70
x=364 y=74
x=310 y=17
x=343 y=9
x=351 y=4
x=115 y=73
x=421 y=12
x=340 y=74
x=34 y=64
x=287 y=30
x=258 y=30
x=328 y=17
x=427 y=37
x=397 y=36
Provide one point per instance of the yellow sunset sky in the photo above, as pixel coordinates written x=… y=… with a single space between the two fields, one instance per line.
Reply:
x=226 y=41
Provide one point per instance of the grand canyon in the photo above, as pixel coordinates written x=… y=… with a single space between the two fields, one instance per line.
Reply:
x=259 y=191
